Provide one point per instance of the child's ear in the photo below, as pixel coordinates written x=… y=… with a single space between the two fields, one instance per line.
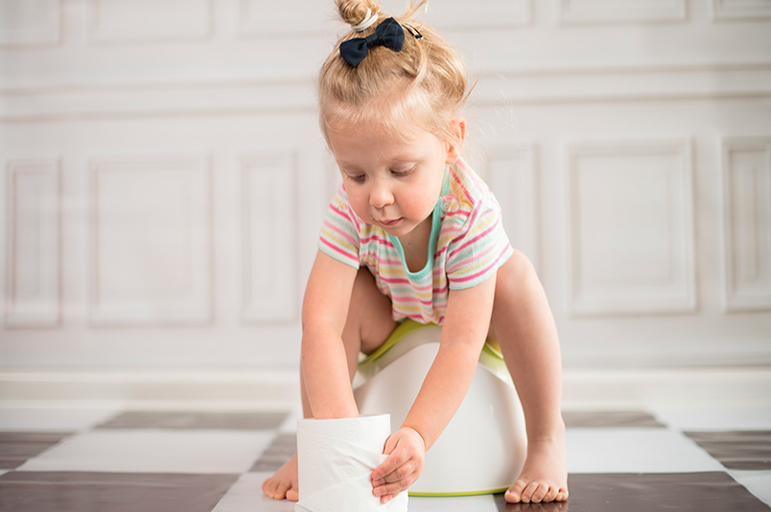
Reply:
x=455 y=145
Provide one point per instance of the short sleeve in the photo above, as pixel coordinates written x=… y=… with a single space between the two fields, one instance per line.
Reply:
x=339 y=236
x=479 y=249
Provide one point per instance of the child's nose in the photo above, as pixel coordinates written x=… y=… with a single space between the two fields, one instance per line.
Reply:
x=380 y=196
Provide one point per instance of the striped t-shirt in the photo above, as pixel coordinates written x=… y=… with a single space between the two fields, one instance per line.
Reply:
x=468 y=245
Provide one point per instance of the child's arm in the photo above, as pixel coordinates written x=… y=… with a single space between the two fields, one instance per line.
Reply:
x=324 y=366
x=465 y=329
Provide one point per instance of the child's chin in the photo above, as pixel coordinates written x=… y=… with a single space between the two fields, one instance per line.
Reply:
x=400 y=229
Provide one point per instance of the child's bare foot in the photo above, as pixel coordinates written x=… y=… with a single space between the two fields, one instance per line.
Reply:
x=544 y=476
x=284 y=483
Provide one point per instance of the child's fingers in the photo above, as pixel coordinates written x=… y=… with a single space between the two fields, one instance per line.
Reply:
x=405 y=450
x=400 y=473
x=403 y=478
x=391 y=490
x=391 y=464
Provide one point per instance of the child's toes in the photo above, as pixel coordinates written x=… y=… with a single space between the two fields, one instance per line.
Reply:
x=276 y=489
x=542 y=493
x=552 y=494
x=514 y=494
x=528 y=492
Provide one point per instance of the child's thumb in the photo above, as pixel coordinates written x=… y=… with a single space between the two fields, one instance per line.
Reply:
x=390 y=445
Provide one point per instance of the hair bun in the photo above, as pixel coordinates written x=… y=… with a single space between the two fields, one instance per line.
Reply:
x=356 y=12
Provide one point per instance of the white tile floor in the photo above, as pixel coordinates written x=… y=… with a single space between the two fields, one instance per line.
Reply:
x=716 y=419
x=635 y=450
x=154 y=451
x=16 y=419
x=614 y=463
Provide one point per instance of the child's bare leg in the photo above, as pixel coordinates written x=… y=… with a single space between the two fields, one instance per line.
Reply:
x=368 y=325
x=523 y=325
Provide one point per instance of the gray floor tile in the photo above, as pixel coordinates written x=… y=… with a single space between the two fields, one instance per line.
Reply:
x=737 y=450
x=16 y=448
x=698 y=492
x=579 y=419
x=111 y=492
x=198 y=420
x=502 y=506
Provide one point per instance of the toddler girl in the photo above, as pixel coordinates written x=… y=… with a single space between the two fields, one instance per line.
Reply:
x=413 y=232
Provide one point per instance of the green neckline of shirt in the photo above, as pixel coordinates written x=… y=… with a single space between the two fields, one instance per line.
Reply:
x=432 y=240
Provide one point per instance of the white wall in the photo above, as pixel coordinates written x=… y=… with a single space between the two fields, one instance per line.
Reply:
x=164 y=178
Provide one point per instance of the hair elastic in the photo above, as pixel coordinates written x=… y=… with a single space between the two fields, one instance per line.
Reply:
x=368 y=21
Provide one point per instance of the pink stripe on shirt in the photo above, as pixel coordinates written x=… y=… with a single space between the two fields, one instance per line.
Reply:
x=481 y=272
x=337 y=249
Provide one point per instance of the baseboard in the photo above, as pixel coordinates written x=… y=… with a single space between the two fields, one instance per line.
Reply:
x=584 y=389
x=684 y=388
x=151 y=390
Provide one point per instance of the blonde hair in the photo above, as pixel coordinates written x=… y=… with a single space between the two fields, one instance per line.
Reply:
x=425 y=82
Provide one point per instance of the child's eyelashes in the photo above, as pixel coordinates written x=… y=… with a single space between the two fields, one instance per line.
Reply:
x=402 y=172
x=399 y=173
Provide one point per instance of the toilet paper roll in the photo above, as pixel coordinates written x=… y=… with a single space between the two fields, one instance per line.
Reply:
x=336 y=458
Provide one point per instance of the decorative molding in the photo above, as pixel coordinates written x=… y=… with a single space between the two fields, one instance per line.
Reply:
x=30 y=23
x=630 y=227
x=255 y=95
x=637 y=11
x=485 y=14
x=32 y=249
x=254 y=20
x=511 y=174
x=240 y=97
x=269 y=239
x=282 y=18
x=138 y=21
x=258 y=95
x=731 y=10
x=747 y=223
x=151 y=242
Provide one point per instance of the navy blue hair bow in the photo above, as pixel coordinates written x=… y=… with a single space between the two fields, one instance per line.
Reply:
x=389 y=34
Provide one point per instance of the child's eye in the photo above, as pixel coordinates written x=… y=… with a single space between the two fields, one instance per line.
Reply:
x=402 y=172
x=356 y=177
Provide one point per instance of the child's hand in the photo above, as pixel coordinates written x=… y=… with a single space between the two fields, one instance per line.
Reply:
x=406 y=452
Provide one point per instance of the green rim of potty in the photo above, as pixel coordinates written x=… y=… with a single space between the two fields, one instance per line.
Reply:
x=405 y=328
x=456 y=494
x=490 y=357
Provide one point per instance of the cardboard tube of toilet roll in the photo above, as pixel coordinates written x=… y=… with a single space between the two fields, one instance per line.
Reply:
x=336 y=458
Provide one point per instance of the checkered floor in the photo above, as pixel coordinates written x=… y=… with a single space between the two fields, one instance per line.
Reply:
x=116 y=461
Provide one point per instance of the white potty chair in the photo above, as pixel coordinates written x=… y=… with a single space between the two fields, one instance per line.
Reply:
x=483 y=448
